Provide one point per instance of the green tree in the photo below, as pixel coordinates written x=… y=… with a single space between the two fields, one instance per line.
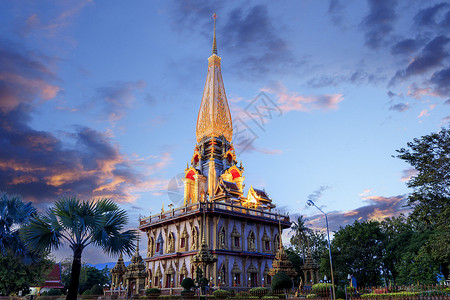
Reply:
x=356 y=249
x=81 y=223
x=90 y=276
x=430 y=199
x=19 y=267
x=281 y=281
x=17 y=275
x=297 y=263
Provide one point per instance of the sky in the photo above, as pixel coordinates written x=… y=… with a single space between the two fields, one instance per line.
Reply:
x=100 y=99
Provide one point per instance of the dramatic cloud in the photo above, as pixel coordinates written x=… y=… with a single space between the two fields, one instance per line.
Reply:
x=378 y=208
x=292 y=101
x=24 y=78
x=378 y=23
x=432 y=55
x=41 y=166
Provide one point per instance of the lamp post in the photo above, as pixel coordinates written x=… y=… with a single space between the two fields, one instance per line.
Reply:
x=310 y=203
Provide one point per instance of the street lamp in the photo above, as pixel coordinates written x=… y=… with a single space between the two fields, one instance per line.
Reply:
x=310 y=203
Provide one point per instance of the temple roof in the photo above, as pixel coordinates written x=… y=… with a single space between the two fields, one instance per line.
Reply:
x=214 y=117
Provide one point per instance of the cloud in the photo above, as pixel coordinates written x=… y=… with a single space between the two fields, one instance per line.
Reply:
x=66 y=11
x=441 y=82
x=335 y=10
x=400 y=107
x=292 y=101
x=317 y=194
x=378 y=23
x=406 y=46
x=358 y=76
x=432 y=55
x=408 y=174
x=41 y=166
x=252 y=34
x=24 y=78
x=434 y=16
x=378 y=208
x=118 y=96
x=426 y=112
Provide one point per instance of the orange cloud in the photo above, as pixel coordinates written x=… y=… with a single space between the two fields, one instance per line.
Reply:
x=292 y=101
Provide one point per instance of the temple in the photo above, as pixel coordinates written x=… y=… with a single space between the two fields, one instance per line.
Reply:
x=232 y=234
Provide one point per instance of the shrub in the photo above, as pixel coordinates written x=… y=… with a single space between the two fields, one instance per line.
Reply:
x=243 y=294
x=270 y=297
x=114 y=296
x=311 y=296
x=54 y=292
x=152 y=291
x=321 y=289
x=97 y=290
x=44 y=298
x=87 y=293
x=351 y=289
x=281 y=281
x=187 y=283
x=221 y=294
x=340 y=293
x=259 y=291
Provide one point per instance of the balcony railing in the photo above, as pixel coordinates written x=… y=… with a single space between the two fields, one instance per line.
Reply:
x=211 y=207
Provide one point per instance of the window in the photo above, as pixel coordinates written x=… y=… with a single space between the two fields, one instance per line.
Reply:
x=156 y=282
x=269 y=280
x=181 y=278
x=236 y=242
x=237 y=279
x=267 y=245
x=182 y=242
x=158 y=245
x=168 y=279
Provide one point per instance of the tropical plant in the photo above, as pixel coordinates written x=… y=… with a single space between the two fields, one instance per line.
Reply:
x=81 y=223
x=299 y=238
x=188 y=283
x=19 y=266
x=281 y=281
x=13 y=215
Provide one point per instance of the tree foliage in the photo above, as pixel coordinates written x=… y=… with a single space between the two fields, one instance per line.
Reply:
x=357 y=249
x=281 y=281
x=430 y=199
x=81 y=223
x=19 y=266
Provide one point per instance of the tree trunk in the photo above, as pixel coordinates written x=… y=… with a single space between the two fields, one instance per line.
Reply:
x=75 y=275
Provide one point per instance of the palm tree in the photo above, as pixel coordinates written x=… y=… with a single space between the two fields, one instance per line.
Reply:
x=13 y=215
x=81 y=223
x=300 y=235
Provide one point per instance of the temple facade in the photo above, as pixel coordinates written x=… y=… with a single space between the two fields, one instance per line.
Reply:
x=230 y=233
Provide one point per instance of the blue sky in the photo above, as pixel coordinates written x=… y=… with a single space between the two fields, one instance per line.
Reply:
x=100 y=98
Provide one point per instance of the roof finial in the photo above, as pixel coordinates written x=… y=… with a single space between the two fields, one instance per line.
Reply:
x=214 y=49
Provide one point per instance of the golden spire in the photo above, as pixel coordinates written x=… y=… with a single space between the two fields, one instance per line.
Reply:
x=214 y=49
x=214 y=117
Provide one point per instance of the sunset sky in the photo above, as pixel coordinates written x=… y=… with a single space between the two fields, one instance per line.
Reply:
x=100 y=98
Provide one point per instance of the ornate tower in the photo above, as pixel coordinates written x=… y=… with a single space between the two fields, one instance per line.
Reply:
x=214 y=151
x=239 y=234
